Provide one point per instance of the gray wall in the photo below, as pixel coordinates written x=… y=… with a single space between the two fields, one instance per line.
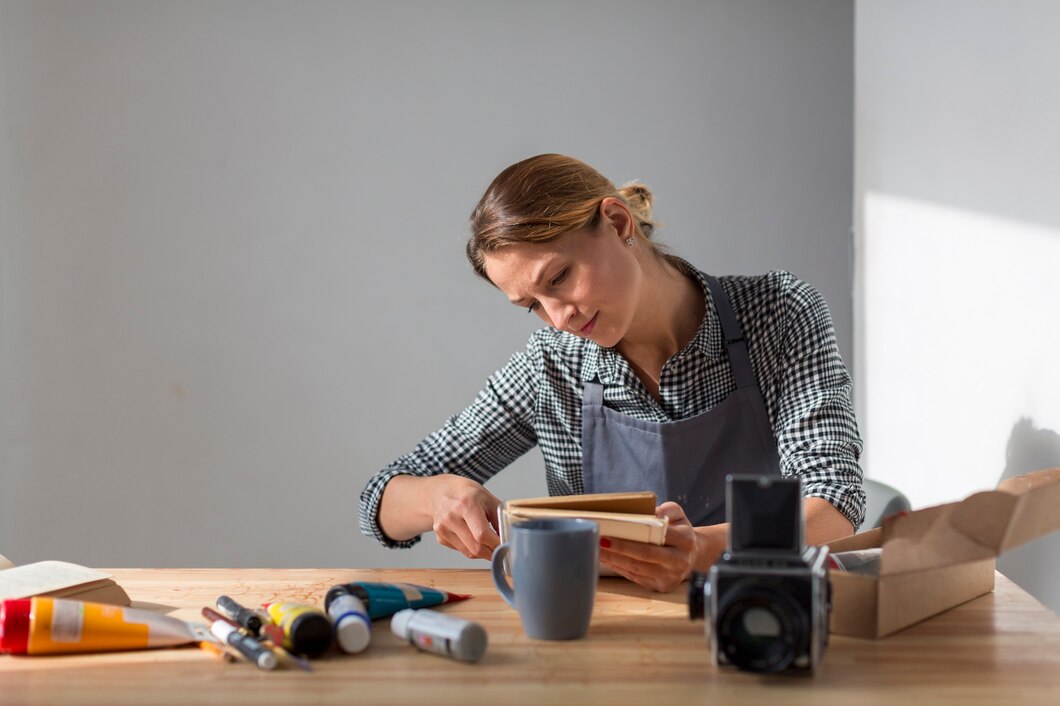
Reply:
x=958 y=202
x=231 y=237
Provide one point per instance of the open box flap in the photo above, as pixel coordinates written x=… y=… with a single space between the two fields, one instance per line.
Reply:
x=1038 y=513
x=981 y=526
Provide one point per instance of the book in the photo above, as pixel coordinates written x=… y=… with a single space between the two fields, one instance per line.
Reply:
x=61 y=579
x=621 y=515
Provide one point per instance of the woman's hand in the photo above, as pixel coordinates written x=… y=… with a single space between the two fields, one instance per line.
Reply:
x=459 y=510
x=463 y=513
x=661 y=568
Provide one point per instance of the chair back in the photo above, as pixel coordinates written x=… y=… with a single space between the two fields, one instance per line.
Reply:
x=882 y=500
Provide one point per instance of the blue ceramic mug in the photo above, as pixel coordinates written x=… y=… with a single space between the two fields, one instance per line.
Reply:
x=554 y=572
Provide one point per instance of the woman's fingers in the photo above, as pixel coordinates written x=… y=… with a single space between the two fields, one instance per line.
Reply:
x=463 y=517
x=673 y=511
x=482 y=535
x=659 y=568
x=474 y=544
x=646 y=575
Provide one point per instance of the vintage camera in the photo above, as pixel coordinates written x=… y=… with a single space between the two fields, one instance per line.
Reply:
x=768 y=597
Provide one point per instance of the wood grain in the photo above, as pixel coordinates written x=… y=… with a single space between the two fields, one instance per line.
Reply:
x=641 y=649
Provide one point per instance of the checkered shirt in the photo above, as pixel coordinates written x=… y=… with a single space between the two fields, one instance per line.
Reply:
x=536 y=398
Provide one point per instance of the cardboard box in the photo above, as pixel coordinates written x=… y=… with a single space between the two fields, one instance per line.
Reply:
x=939 y=557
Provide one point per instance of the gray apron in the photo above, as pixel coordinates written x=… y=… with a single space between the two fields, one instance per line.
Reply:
x=685 y=461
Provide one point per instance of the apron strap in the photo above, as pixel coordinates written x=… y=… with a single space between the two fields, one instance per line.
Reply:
x=592 y=394
x=735 y=343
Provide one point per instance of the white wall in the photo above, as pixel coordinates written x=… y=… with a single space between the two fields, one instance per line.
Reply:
x=231 y=237
x=958 y=251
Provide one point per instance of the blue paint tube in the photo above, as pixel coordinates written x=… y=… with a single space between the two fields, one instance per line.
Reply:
x=384 y=599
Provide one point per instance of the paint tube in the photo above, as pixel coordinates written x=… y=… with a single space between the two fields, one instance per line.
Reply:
x=306 y=631
x=863 y=561
x=353 y=627
x=384 y=599
x=38 y=626
x=441 y=634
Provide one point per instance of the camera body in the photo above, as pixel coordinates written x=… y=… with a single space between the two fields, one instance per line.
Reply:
x=768 y=597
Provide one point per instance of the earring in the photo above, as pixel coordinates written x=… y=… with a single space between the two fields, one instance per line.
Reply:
x=630 y=241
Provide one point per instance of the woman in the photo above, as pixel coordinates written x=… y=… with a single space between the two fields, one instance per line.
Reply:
x=651 y=375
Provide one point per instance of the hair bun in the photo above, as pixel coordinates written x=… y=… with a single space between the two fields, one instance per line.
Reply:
x=640 y=198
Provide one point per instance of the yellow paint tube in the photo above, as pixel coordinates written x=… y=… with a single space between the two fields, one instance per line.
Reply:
x=41 y=626
x=306 y=630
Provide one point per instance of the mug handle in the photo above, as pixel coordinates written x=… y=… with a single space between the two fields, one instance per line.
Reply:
x=497 y=566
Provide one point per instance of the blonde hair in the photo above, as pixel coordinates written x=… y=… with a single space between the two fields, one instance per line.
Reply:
x=541 y=198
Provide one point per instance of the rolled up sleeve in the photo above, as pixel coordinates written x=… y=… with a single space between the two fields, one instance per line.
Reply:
x=817 y=433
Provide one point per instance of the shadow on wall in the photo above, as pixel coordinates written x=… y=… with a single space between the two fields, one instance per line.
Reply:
x=1035 y=566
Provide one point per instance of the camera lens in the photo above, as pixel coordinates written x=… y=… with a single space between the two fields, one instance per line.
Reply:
x=760 y=628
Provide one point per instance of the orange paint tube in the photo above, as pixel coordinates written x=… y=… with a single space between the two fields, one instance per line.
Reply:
x=40 y=626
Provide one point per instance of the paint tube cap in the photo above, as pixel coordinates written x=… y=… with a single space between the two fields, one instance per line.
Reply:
x=14 y=626
x=399 y=622
x=353 y=633
x=310 y=633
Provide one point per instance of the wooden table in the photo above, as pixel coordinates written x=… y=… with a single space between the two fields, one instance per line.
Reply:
x=641 y=649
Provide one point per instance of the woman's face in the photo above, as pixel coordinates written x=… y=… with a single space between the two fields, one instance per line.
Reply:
x=586 y=282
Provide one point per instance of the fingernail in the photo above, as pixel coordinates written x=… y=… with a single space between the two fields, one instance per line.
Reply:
x=605 y=542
